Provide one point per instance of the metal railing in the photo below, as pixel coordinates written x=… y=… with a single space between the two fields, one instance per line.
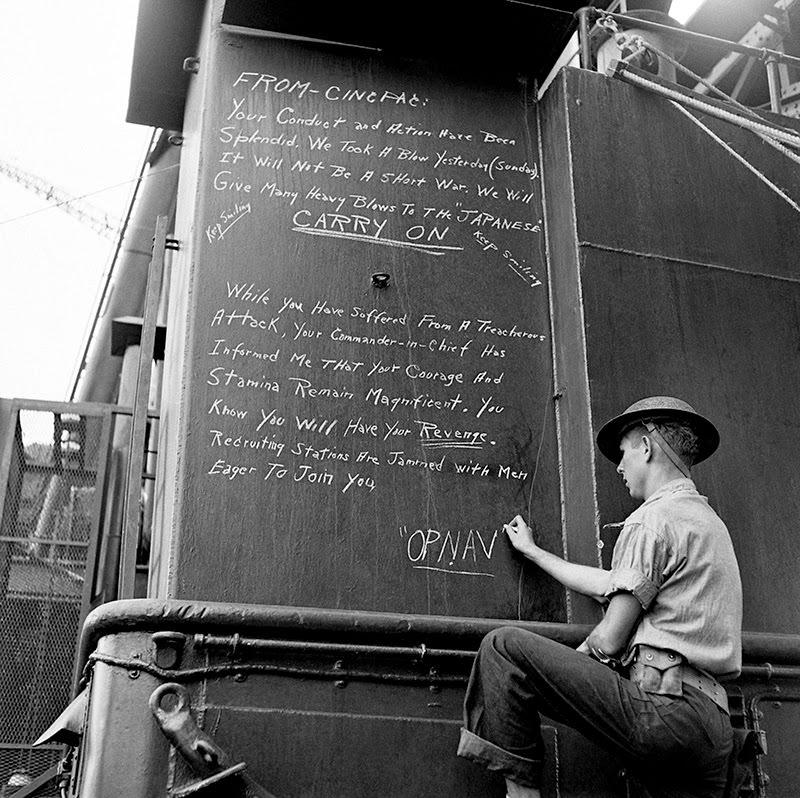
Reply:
x=60 y=513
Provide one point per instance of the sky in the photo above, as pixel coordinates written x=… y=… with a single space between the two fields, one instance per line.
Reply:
x=64 y=78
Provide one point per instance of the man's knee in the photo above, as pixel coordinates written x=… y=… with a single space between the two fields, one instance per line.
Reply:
x=508 y=642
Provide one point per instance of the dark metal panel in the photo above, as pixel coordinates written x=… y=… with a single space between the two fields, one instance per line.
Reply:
x=649 y=180
x=571 y=388
x=166 y=34
x=317 y=735
x=499 y=36
x=166 y=517
x=393 y=474
x=780 y=721
x=507 y=37
x=312 y=722
x=728 y=343
x=689 y=287
x=347 y=754
x=393 y=732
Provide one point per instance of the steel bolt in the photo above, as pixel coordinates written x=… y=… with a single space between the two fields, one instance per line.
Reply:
x=169 y=648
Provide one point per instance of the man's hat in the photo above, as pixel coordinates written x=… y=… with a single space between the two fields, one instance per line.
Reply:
x=657 y=408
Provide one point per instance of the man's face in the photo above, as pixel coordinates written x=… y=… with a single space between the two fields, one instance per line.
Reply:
x=633 y=465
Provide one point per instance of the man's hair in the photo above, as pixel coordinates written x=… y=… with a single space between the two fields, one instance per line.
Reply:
x=681 y=437
x=678 y=434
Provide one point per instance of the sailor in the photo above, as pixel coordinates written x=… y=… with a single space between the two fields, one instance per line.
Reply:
x=645 y=684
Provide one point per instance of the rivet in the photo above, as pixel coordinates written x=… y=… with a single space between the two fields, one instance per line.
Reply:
x=380 y=279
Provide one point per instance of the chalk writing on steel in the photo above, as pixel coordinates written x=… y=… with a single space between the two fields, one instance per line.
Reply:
x=335 y=395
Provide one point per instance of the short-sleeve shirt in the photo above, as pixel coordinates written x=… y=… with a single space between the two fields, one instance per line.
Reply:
x=676 y=557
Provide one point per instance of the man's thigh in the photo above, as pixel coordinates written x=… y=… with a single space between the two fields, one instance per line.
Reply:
x=574 y=689
x=642 y=729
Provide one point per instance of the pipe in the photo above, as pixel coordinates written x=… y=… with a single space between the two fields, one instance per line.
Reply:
x=305 y=623
x=583 y=37
x=420 y=652
x=97 y=378
x=357 y=627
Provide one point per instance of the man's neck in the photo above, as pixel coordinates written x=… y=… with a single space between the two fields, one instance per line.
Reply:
x=659 y=478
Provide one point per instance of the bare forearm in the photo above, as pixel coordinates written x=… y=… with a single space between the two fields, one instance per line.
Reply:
x=583 y=579
x=610 y=637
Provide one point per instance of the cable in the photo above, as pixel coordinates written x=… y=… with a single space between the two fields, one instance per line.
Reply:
x=707 y=83
x=739 y=158
x=711 y=110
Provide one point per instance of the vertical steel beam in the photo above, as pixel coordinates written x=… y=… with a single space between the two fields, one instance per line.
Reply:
x=774 y=81
x=98 y=515
x=133 y=480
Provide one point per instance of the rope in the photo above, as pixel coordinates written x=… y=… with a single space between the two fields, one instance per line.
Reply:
x=764 y=179
x=780 y=148
x=768 y=133
x=135 y=666
x=712 y=110
x=767 y=138
x=707 y=83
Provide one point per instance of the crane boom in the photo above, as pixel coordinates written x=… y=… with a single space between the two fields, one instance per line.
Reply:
x=98 y=220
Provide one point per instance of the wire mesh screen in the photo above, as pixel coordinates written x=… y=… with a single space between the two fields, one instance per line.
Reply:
x=48 y=517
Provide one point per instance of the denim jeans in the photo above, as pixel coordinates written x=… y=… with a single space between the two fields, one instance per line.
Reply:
x=673 y=747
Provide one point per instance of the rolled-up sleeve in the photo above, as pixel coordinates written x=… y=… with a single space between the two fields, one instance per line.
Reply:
x=638 y=565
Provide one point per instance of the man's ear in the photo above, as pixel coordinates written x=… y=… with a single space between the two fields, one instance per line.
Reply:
x=647 y=447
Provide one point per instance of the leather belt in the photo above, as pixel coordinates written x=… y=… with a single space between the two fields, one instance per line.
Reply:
x=707 y=685
x=663 y=672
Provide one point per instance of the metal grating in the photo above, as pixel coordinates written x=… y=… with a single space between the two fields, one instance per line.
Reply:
x=20 y=766
x=49 y=514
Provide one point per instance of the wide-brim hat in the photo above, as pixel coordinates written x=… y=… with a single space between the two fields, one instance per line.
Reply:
x=657 y=408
